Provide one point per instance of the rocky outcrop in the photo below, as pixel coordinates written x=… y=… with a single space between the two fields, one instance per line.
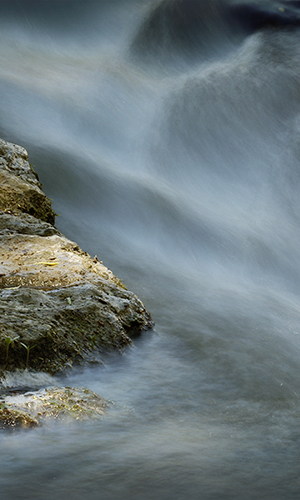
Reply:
x=58 y=305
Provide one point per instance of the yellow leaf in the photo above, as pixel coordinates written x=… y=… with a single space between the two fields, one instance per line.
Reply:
x=48 y=263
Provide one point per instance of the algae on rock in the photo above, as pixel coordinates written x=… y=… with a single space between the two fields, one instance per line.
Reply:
x=31 y=409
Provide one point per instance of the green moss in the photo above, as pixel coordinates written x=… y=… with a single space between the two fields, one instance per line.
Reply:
x=32 y=202
x=13 y=418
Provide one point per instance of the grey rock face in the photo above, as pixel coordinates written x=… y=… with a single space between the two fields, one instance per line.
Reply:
x=14 y=159
x=24 y=224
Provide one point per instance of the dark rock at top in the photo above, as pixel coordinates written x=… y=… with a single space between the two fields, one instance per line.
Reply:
x=201 y=26
x=253 y=16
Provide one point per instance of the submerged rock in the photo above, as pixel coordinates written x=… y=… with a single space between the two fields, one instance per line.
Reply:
x=32 y=409
x=57 y=304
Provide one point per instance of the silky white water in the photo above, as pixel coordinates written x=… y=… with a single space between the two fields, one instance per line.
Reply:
x=177 y=162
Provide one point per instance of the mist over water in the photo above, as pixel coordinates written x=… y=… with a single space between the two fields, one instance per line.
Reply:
x=167 y=135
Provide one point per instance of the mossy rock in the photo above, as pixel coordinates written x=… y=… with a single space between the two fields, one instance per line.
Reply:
x=21 y=190
x=33 y=409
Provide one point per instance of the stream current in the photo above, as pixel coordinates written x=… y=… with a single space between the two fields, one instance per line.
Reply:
x=167 y=134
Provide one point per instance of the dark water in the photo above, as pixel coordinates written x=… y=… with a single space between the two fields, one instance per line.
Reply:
x=168 y=135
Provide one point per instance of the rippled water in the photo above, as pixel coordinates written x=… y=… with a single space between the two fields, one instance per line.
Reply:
x=167 y=135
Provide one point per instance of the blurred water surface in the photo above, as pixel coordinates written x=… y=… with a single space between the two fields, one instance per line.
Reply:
x=167 y=135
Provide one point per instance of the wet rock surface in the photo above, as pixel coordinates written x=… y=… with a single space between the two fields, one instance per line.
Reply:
x=58 y=305
x=34 y=408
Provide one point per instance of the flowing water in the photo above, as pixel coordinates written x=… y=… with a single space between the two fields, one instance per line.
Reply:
x=168 y=136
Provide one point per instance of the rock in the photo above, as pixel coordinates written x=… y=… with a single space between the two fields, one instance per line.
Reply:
x=21 y=190
x=194 y=27
x=11 y=223
x=58 y=306
x=32 y=409
x=256 y=15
